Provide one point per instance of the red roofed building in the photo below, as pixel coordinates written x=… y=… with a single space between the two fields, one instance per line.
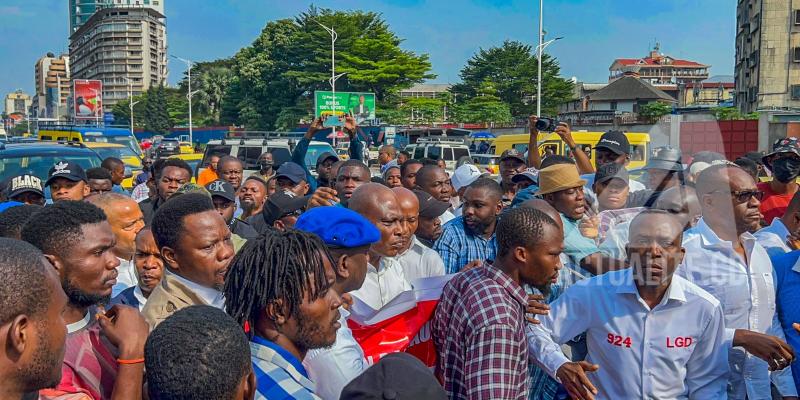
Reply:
x=658 y=69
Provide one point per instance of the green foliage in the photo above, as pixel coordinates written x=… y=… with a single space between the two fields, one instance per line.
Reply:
x=732 y=113
x=122 y=111
x=291 y=59
x=486 y=107
x=655 y=110
x=512 y=69
x=156 y=117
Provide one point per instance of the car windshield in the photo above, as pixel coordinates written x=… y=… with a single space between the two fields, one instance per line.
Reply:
x=314 y=151
x=123 y=153
x=39 y=165
x=123 y=140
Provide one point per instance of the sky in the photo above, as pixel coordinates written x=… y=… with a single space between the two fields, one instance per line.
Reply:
x=594 y=32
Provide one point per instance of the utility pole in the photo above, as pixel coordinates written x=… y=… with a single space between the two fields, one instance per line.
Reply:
x=332 y=120
x=131 y=103
x=189 y=94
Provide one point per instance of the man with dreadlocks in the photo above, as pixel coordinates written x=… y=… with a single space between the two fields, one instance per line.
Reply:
x=348 y=236
x=280 y=288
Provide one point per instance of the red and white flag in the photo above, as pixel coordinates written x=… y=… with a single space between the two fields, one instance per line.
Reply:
x=401 y=325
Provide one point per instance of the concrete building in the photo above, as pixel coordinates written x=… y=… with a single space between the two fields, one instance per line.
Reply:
x=17 y=102
x=52 y=84
x=116 y=44
x=706 y=94
x=767 y=55
x=658 y=69
x=81 y=10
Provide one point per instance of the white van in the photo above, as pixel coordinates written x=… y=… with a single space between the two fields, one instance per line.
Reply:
x=450 y=150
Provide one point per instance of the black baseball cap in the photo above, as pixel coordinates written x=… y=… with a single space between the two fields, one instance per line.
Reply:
x=281 y=204
x=429 y=206
x=222 y=189
x=611 y=171
x=292 y=172
x=615 y=141
x=325 y=156
x=67 y=170
x=397 y=376
x=24 y=183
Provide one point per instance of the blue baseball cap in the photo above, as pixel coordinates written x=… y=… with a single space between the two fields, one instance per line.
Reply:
x=338 y=227
x=291 y=171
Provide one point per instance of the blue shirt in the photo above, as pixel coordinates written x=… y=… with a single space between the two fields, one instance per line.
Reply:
x=787 y=297
x=279 y=374
x=457 y=247
x=576 y=246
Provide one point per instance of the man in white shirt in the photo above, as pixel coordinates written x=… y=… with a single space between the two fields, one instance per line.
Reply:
x=629 y=319
x=348 y=237
x=417 y=260
x=126 y=221
x=774 y=237
x=726 y=260
x=385 y=276
x=196 y=246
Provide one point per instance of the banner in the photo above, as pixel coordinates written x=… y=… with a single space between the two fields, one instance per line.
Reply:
x=88 y=97
x=402 y=325
x=361 y=105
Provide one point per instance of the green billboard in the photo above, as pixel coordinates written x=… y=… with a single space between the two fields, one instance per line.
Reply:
x=361 y=105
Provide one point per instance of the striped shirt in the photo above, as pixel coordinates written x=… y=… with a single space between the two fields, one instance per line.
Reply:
x=457 y=247
x=478 y=330
x=280 y=375
x=90 y=362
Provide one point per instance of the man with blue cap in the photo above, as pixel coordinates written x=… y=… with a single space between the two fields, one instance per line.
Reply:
x=348 y=237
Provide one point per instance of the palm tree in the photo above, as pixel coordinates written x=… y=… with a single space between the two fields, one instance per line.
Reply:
x=211 y=86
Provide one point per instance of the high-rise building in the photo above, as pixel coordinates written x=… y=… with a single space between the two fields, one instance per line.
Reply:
x=81 y=10
x=659 y=69
x=52 y=82
x=121 y=47
x=767 y=54
x=17 y=102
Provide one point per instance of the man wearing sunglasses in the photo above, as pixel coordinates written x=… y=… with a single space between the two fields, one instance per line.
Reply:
x=725 y=259
x=784 y=163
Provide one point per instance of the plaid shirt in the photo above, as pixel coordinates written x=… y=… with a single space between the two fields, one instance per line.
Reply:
x=279 y=374
x=478 y=330
x=457 y=247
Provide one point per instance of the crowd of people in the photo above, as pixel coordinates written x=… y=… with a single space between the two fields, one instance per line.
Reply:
x=566 y=277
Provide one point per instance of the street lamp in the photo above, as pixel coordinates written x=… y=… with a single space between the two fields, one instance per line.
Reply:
x=189 y=93
x=131 y=103
x=539 y=51
x=332 y=120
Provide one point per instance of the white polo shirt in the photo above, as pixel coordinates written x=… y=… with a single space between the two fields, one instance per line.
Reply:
x=332 y=368
x=746 y=291
x=674 y=351
x=382 y=284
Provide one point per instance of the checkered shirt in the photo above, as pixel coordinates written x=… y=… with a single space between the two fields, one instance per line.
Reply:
x=478 y=330
x=457 y=247
x=279 y=374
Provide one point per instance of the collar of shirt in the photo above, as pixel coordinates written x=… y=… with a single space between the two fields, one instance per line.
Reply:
x=211 y=296
x=777 y=227
x=280 y=352
x=513 y=288
x=796 y=267
x=415 y=247
x=137 y=292
x=674 y=292
x=711 y=240
x=78 y=325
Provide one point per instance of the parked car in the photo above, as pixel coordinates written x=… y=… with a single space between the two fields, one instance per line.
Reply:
x=450 y=150
x=168 y=147
x=248 y=150
x=37 y=158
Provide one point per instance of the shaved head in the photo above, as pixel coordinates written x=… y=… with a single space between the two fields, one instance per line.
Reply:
x=682 y=202
x=727 y=195
x=406 y=198
x=380 y=205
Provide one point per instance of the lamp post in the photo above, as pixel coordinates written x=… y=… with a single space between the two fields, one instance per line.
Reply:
x=540 y=50
x=189 y=93
x=334 y=77
x=131 y=103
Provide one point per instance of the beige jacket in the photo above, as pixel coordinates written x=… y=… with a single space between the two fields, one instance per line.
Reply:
x=169 y=296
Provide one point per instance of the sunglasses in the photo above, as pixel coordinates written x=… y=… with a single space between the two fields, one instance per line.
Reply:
x=743 y=196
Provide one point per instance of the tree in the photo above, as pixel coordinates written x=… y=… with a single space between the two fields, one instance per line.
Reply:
x=512 y=68
x=122 y=111
x=156 y=117
x=486 y=107
x=655 y=110
x=731 y=113
x=291 y=59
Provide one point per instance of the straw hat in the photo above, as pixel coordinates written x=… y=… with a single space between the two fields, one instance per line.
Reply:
x=556 y=178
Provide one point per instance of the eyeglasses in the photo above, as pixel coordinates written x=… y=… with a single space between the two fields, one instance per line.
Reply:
x=743 y=196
